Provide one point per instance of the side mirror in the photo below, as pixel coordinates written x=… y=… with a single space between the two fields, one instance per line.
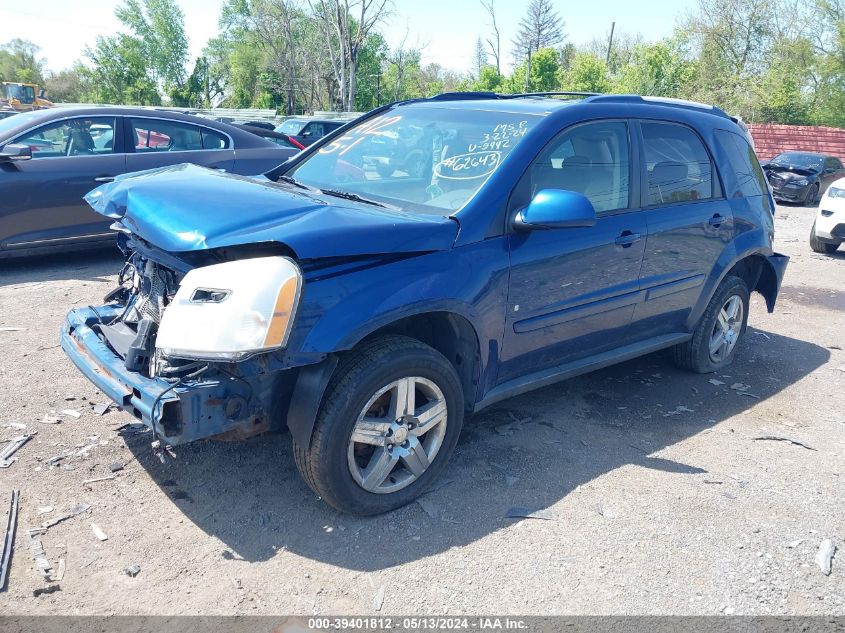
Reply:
x=556 y=209
x=15 y=152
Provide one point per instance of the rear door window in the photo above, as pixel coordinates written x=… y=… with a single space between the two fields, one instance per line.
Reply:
x=679 y=167
x=159 y=135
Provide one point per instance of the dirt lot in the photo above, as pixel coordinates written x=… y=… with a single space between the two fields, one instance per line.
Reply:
x=661 y=499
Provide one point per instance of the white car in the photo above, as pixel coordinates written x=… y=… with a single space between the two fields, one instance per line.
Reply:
x=828 y=230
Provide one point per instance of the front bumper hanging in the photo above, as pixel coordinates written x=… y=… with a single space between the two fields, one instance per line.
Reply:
x=197 y=409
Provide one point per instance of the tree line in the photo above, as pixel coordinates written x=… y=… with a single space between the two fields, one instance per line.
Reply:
x=765 y=60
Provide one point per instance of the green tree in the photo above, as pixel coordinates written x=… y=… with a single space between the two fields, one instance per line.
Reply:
x=159 y=27
x=19 y=62
x=587 y=73
x=119 y=73
x=489 y=80
x=660 y=69
x=66 y=86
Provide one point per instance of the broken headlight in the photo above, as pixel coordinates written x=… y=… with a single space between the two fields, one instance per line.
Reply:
x=232 y=310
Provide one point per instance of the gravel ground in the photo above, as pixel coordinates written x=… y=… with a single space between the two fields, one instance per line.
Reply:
x=661 y=500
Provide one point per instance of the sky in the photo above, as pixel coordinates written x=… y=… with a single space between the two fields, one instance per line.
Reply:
x=446 y=30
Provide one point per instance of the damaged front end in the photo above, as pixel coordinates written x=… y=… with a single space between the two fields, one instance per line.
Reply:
x=185 y=357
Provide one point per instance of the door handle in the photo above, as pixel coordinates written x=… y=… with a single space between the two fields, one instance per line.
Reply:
x=716 y=220
x=626 y=238
x=103 y=178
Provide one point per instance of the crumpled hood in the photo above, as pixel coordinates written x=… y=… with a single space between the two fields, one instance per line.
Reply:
x=790 y=172
x=190 y=208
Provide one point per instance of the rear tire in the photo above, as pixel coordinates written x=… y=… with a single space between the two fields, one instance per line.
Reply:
x=818 y=246
x=716 y=337
x=368 y=455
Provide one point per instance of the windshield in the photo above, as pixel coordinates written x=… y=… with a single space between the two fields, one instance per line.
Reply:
x=14 y=121
x=426 y=159
x=291 y=126
x=799 y=159
x=24 y=94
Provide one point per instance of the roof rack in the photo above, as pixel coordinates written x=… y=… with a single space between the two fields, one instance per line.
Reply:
x=559 y=93
x=459 y=96
x=667 y=101
x=588 y=97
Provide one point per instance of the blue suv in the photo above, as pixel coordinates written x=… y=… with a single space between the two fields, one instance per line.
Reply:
x=423 y=262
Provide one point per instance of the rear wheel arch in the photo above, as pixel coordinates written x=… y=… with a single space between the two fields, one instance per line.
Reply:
x=755 y=270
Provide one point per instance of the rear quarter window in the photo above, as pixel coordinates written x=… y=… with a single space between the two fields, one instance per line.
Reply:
x=747 y=179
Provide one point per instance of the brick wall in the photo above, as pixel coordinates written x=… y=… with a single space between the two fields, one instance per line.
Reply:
x=771 y=138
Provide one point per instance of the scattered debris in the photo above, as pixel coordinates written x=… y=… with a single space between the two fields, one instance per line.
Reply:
x=53 y=461
x=607 y=513
x=378 y=601
x=824 y=556
x=763 y=334
x=749 y=394
x=428 y=506
x=96 y=479
x=678 y=410
x=50 y=419
x=795 y=543
x=45 y=509
x=132 y=570
x=17 y=426
x=74 y=511
x=738 y=386
x=713 y=481
x=715 y=382
x=83 y=452
x=71 y=412
x=39 y=555
x=42 y=590
x=9 y=539
x=527 y=513
x=11 y=448
x=115 y=467
x=102 y=407
x=60 y=572
x=11 y=329
x=98 y=532
x=778 y=438
x=510 y=480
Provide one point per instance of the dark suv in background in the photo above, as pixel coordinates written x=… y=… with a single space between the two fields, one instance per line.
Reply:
x=368 y=306
x=308 y=131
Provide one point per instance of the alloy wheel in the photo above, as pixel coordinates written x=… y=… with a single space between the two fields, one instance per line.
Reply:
x=397 y=435
x=727 y=329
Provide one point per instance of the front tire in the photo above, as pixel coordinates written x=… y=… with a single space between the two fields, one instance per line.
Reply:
x=716 y=337
x=818 y=246
x=390 y=419
x=812 y=196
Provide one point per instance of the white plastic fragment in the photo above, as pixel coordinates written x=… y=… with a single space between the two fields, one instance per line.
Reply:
x=824 y=556
x=98 y=532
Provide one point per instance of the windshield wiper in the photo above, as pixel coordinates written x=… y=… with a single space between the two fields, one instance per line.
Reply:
x=346 y=195
x=293 y=181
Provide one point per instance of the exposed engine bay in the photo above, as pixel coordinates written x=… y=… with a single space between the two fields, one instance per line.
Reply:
x=145 y=289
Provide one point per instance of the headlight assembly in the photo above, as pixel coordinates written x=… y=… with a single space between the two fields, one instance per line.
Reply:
x=232 y=310
x=801 y=182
